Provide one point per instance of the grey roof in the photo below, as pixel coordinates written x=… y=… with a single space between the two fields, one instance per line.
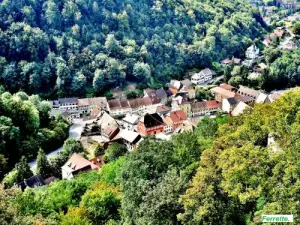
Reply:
x=232 y=101
x=208 y=71
x=161 y=93
x=34 y=181
x=67 y=100
x=248 y=91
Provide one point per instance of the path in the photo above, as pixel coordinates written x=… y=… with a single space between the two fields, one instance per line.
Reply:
x=74 y=132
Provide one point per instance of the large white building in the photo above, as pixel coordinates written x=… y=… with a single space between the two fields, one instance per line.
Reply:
x=202 y=77
x=252 y=52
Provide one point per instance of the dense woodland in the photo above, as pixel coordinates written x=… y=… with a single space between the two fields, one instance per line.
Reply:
x=229 y=175
x=25 y=127
x=78 y=47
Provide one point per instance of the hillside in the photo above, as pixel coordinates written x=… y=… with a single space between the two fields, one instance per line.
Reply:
x=74 y=47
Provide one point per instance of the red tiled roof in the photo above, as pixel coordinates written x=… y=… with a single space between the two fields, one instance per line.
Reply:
x=77 y=162
x=178 y=116
x=213 y=104
x=227 y=87
x=223 y=92
x=114 y=104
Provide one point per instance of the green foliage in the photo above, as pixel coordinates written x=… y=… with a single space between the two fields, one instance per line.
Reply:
x=114 y=151
x=63 y=47
x=102 y=203
x=23 y=170
x=58 y=196
x=236 y=178
x=26 y=127
x=110 y=173
x=99 y=150
x=296 y=29
x=43 y=167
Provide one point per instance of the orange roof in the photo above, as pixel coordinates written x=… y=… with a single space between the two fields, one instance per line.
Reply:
x=223 y=92
x=173 y=90
x=178 y=116
x=227 y=86
x=213 y=104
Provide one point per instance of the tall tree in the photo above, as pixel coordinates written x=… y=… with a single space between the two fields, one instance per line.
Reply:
x=24 y=171
x=43 y=167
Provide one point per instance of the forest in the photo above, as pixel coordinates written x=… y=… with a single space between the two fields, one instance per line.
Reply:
x=83 y=48
x=229 y=175
x=26 y=127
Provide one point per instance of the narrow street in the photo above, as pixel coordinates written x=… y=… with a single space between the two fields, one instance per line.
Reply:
x=74 y=132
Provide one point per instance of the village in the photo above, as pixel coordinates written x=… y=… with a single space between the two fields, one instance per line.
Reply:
x=174 y=108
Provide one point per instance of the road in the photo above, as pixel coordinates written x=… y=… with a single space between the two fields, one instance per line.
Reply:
x=74 y=132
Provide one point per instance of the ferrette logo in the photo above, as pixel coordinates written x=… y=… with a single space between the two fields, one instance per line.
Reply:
x=277 y=218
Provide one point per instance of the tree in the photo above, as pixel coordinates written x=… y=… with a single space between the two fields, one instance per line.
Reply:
x=78 y=84
x=75 y=216
x=102 y=203
x=114 y=151
x=141 y=71
x=43 y=167
x=24 y=171
x=72 y=146
x=112 y=45
x=141 y=171
x=296 y=29
x=99 y=80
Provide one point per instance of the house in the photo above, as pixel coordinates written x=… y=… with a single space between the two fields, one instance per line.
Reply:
x=262 y=98
x=139 y=104
x=202 y=77
x=239 y=109
x=228 y=104
x=181 y=102
x=177 y=118
x=118 y=107
x=150 y=124
x=159 y=93
x=109 y=132
x=64 y=104
x=130 y=121
x=267 y=40
x=174 y=86
x=227 y=87
x=226 y=62
x=245 y=91
x=287 y=4
x=163 y=110
x=168 y=125
x=234 y=60
x=75 y=165
x=279 y=32
x=189 y=91
x=204 y=107
x=243 y=98
x=86 y=105
x=252 y=52
x=220 y=93
x=32 y=182
x=290 y=45
x=130 y=139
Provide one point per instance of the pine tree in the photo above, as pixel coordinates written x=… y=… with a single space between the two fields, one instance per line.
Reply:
x=43 y=167
x=24 y=171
